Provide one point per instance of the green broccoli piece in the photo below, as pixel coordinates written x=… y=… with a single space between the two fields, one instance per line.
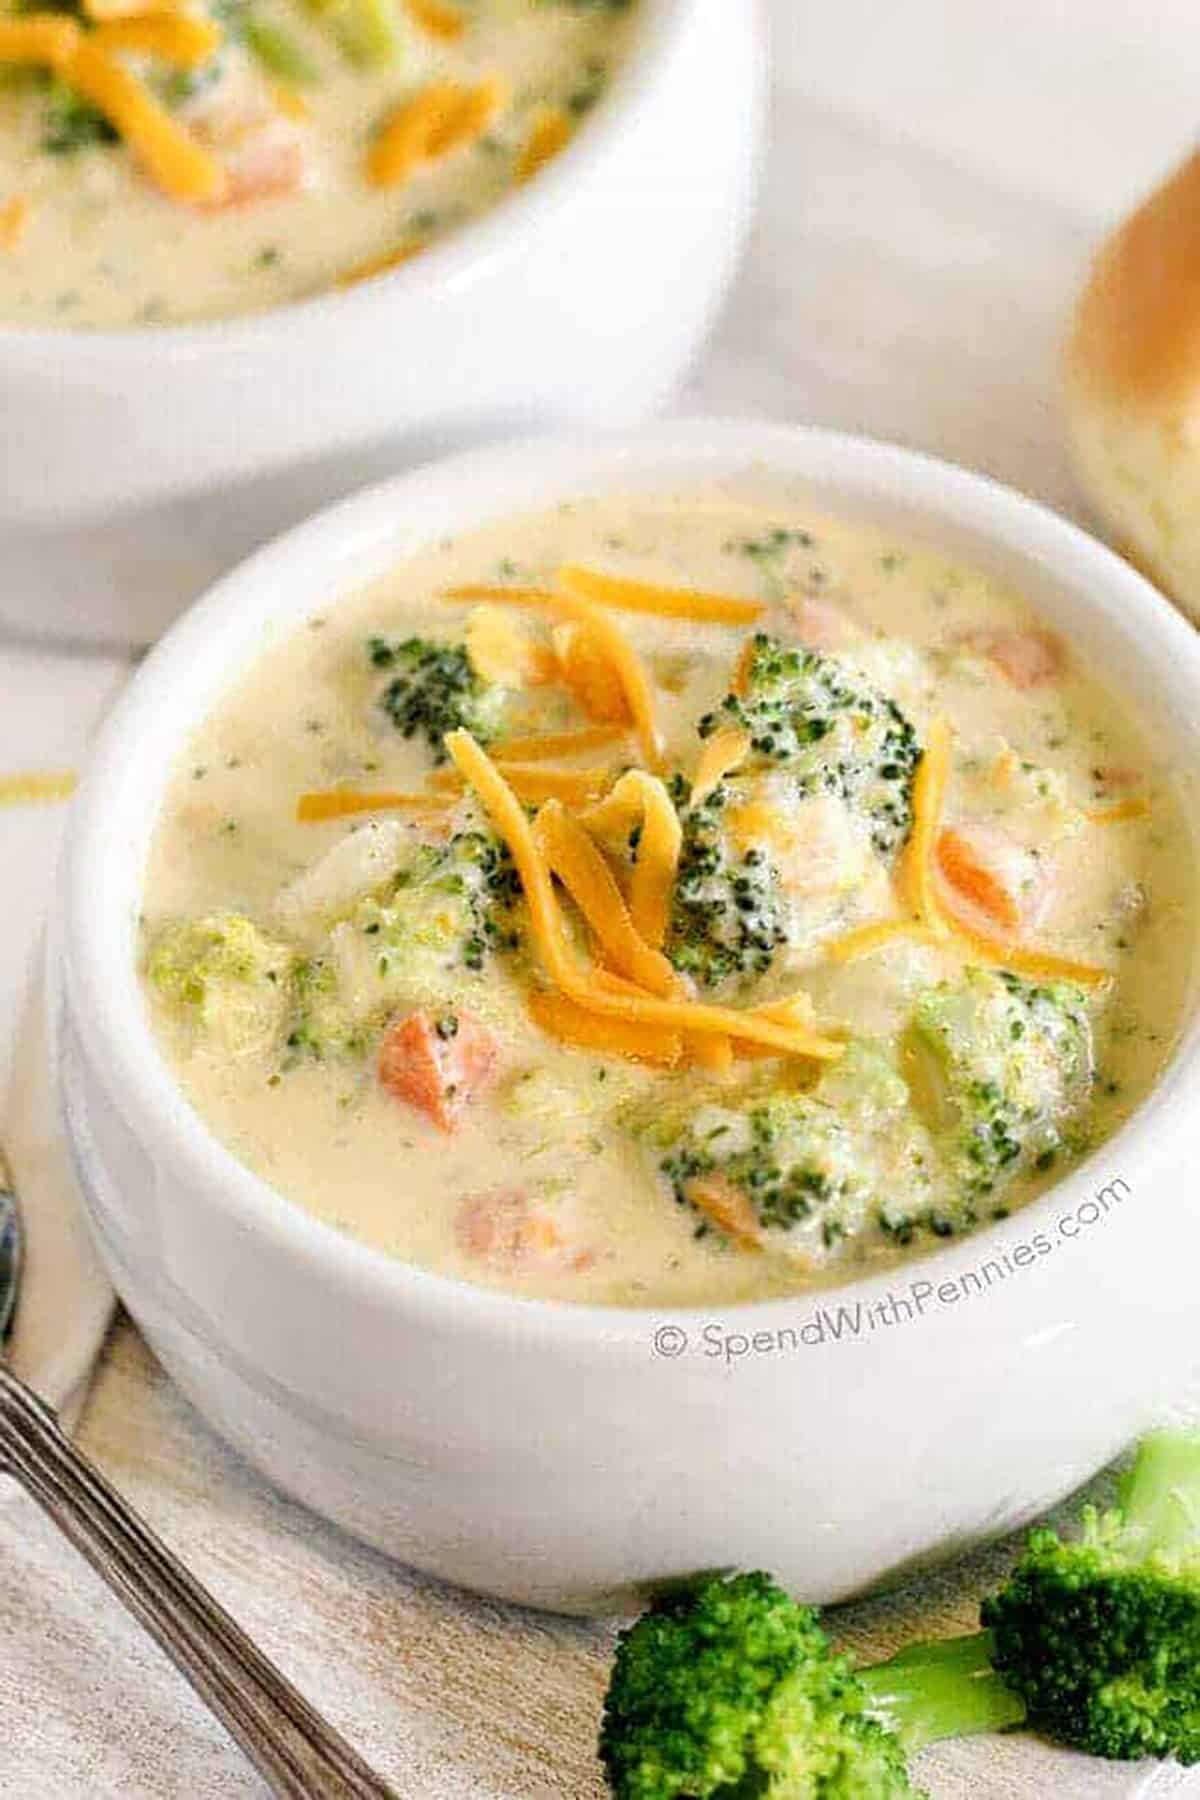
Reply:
x=1100 y=1636
x=431 y=927
x=227 y=978
x=1002 y=1067
x=435 y=690
x=71 y=123
x=727 y=913
x=729 y=1690
x=817 y=1168
x=831 y=729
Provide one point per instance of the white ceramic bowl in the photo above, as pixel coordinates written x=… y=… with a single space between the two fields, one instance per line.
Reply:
x=135 y=466
x=565 y=1456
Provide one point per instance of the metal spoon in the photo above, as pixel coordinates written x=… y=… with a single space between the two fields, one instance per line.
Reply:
x=298 y=1754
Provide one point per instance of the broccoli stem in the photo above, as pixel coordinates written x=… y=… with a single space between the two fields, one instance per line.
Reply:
x=1159 y=1496
x=941 y=1690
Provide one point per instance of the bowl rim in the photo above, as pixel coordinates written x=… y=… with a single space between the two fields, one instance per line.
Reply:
x=99 y=978
x=458 y=259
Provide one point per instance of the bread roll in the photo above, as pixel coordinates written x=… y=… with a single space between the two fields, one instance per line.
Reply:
x=1133 y=386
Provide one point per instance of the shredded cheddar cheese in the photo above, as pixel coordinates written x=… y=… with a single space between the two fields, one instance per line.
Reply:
x=549 y=746
x=664 y=602
x=1021 y=959
x=500 y=651
x=724 y=752
x=180 y=166
x=177 y=38
x=641 y=797
x=546 y=926
x=928 y=799
x=36 y=787
x=1136 y=807
x=534 y=784
x=101 y=11
x=341 y=803
x=14 y=221
x=383 y=264
x=570 y=854
x=549 y=135
x=39 y=37
x=573 y=1024
x=627 y=666
x=589 y=677
x=443 y=117
x=437 y=18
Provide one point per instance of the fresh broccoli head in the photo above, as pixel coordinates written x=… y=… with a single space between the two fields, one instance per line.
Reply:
x=812 y=1169
x=225 y=977
x=435 y=690
x=1100 y=1636
x=727 y=912
x=730 y=1689
x=831 y=729
x=1003 y=1067
x=437 y=921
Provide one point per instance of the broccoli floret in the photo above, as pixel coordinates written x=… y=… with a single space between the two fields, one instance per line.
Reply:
x=1100 y=1636
x=831 y=729
x=435 y=690
x=730 y=1689
x=727 y=914
x=439 y=919
x=817 y=1168
x=227 y=978
x=1003 y=1067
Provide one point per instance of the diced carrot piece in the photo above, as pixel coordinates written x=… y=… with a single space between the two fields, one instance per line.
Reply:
x=1030 y=658
x=437 y=1066
x=727 y=1208
x=264 y=170
x=502 y=1231
x=997 y=878
x=821 y=626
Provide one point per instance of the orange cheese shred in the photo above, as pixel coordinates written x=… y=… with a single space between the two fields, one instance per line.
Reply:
x=535 y=783
x=573 y=1024
x=724 y=752
x=551 y=745
x=442 y=117
x=383 y=264
x=928 y=799
x=638 y=796
x=1136 y=807
x=500 y=651
x=546 y=929
x=587 y=673
x=14 y=221
x=341 y=803
x=39 y=37
x=1022 y=959
x=179 y=165
x=175 y=38
x=570 y=854
x=437 y=18
x=627 y=666
x=549 y=135
x=617 y=592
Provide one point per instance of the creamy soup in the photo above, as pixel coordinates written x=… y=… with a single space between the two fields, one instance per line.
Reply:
x=675 y=901
x=179 y=164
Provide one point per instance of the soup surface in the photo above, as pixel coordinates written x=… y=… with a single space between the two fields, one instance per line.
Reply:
x=709 y=902
x=173 y=165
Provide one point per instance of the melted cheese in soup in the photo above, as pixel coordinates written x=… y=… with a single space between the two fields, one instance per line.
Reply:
x=171 y=165
x=800 y=909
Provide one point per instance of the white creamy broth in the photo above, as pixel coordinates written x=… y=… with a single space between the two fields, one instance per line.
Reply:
x=347 y=1002
x=287 y=109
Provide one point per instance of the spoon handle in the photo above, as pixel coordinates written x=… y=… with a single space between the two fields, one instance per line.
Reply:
x=298 y=1754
